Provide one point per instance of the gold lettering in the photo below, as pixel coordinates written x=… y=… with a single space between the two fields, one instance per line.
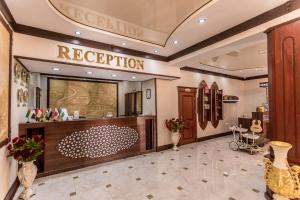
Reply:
x=109 y=58
x=118 y=58
x=90 y=56
x=132 y=63
x=77 y=54
x=140 y=64
x=63 y=52
x=100 y=58
x=86 y=56
x=125 y=62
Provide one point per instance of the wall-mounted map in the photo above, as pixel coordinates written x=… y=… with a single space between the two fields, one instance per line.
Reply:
x=5 y=50
x=92 y=99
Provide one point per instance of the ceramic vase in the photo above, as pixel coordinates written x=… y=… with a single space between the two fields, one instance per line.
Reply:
x=175 y=137
x=282 y=179
x=26 y=175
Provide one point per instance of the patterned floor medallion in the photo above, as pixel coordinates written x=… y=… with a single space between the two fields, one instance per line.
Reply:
x=94 y=142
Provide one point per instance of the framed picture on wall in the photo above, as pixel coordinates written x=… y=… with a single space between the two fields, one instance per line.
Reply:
x=148 y=93
x=5 y=76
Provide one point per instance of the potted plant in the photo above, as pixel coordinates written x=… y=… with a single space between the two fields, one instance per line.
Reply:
x=174 y=126
x=25 y=151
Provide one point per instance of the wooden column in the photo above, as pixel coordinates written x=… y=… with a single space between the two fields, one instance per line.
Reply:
x=284 y=79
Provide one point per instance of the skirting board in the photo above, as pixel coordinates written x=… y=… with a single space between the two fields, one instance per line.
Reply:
x=201 y=139
x=12 y=190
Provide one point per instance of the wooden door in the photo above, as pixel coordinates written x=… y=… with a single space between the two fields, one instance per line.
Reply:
x=284 y=91
x=187 y=112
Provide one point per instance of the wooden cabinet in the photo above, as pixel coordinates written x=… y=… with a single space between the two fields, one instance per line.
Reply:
x=204 y=105
x=284 y=91
x=210 y=104
x=216 y=105
x=133 y=103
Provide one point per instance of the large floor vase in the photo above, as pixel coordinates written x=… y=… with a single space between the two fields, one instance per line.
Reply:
x=282 y=179
x=26 y=175
x=175 y=137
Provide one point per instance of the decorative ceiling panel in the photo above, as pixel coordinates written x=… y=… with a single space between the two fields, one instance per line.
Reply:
x=151 y=21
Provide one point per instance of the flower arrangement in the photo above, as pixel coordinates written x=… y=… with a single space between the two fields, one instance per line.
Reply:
x=174 y=125
x=25 y=150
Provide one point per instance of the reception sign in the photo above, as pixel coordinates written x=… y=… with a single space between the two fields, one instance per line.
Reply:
x=91 y=56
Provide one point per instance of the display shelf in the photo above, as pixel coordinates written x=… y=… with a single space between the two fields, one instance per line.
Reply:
x=204 y=105
x=216 y=105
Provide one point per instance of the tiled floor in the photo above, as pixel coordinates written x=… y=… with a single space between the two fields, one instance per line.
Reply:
x=201 y=171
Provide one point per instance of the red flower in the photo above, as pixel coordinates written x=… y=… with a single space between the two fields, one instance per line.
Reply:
x=36 y=138
x=17 y=155
x=23 y=137
x=15 y=140
x=9 y=147
x=20 y=143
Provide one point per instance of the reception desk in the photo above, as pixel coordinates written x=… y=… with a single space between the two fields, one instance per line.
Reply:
x=75 y=144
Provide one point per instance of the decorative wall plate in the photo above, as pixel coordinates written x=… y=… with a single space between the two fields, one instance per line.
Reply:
x=17 y=72
x=20 y=96
x=99 y=141
x=25 y=97
x=23 y=76
x=28 y=79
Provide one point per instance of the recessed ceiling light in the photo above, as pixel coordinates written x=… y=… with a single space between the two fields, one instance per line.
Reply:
x=89 y=72
x=202 y=20
x=175 y=42
x=133 y=77
x=155 y=51
x=123 y=43
x=77 y=33
x=114 y=75
x=55 y=69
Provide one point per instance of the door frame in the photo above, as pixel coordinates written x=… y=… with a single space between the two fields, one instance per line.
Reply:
x=192 y=90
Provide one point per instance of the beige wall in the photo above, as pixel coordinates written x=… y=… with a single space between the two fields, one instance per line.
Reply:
x=167 y=101
x=254 y=95
x=8 y=167
x=149 y=104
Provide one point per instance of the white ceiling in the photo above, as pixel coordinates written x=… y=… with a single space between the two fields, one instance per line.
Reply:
x=73 y=70
x=245 y=58
x=220 y=14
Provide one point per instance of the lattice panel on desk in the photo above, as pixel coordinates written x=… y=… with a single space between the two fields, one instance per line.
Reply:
x=98 y=142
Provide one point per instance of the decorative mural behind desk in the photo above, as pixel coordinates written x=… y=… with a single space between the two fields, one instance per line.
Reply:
x=5 y=62
x=92 y=99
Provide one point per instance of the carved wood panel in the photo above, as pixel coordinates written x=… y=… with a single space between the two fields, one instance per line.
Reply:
x=284 y=78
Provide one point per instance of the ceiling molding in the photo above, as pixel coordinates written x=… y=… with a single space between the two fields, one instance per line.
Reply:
x=79 y=77
x=29 y=30
x=161 y=45
x=283 y=9
x=18 y=58
x=257 y=77
x=230 y=70
x=251 y=23
x=6 y=13
x=201 y=71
